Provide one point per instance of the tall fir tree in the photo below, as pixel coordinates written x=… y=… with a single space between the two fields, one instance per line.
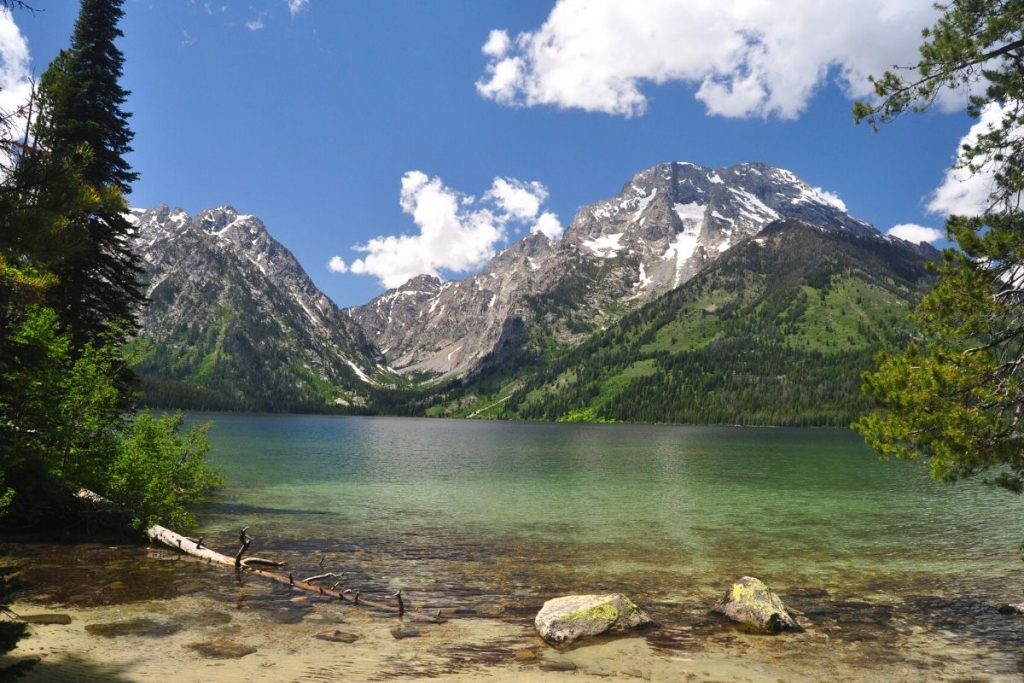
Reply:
x=81 y=118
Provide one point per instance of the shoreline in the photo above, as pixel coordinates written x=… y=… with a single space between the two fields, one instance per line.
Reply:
x=257 y=632
x=205 y=648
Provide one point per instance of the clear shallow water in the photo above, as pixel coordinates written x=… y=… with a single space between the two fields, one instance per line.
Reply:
x=712 y=496
x=496 y=517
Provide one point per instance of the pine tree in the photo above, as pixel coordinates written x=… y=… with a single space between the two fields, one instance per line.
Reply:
x=955 y=397
x=81 y=119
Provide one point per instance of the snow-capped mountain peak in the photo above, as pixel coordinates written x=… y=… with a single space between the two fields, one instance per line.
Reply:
x=667 y=223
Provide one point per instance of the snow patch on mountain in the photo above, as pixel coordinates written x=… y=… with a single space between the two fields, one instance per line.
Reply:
x=606 y=246
x=689 y=212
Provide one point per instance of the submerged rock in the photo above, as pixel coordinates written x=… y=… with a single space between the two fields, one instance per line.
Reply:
x=404 y=631
x=46 y=619
x=754 y=605
x=335 y=636
x=150 y=628
x=564 y=620
x=222 y=649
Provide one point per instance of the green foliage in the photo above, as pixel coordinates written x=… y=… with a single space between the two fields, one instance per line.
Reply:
x=62 y=407
x=588 y=414
x=35 y=447
x=68 y=292
x=159 y=472
x=954 y=396
x=66 y=429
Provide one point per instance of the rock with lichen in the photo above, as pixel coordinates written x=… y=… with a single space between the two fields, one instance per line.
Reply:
x=564 y=620
x=756 y=607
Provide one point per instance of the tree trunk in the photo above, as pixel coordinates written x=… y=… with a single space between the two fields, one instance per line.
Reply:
x=195 y=548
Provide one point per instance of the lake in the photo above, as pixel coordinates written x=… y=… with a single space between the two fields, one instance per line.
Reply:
x=895 y=575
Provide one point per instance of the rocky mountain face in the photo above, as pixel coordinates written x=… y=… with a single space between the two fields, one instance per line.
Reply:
x=234 y=322
x=778 y=330
x=666 y=225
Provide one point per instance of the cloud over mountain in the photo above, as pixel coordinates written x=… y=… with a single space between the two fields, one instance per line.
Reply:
x=745 y=57
x=456 y=232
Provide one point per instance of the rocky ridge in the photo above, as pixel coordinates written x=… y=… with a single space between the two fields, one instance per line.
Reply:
x=233 y=313
x=664 y=227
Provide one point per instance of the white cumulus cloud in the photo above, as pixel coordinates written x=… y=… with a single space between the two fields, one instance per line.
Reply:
x=456 y=233
x=497 y=44
x=296 y=6
x=337 y=265
x=549 y=225
x=744 y=57
x=519 y=199
x=15 y=68
x=916 y=233
x=965 y=191
x=256 y=24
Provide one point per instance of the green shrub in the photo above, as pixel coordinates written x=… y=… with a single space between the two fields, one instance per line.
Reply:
x=159 y=471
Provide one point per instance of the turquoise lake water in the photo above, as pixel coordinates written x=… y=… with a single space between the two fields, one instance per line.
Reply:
x=490 y=519
x=555 y=507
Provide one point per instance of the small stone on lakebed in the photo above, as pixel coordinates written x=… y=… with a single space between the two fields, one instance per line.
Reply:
x=566 y=619
x=404 y=631
x=336 y=636
x=222 y=649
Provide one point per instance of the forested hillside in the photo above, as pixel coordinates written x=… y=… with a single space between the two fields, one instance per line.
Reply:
x=778 y=331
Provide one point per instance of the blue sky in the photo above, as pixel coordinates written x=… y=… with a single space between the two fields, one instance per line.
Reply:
x=310 y=114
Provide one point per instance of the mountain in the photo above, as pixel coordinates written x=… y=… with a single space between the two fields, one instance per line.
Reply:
x=777 y=331
x=740 y=294
x=666 y=225
x=234 y=322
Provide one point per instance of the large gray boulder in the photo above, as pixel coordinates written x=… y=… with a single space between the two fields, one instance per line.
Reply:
x=754 y=605
x=564 y=620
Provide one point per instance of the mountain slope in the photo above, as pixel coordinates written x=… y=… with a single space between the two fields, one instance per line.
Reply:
x=776 y=331
x=235 y=323
x=666 y=225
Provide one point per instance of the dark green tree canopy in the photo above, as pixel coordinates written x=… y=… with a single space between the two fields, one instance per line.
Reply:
x=82 y=123
x=68 y=291
x=956 y=396
x=83 y=98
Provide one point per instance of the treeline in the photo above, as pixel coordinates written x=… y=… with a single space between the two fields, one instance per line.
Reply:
x=737 y=381
x=180 y=395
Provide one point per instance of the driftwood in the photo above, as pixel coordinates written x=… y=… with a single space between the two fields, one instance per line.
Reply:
x=195 y=548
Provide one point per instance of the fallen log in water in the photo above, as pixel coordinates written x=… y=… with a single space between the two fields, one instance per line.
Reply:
x=195 y=548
